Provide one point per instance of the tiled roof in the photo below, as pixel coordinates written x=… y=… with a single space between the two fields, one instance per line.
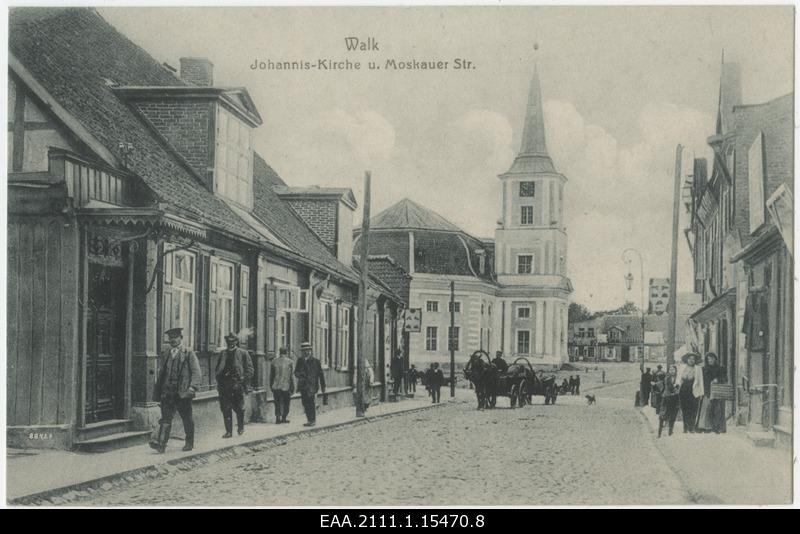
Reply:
x=409 y=214
x=76 y=55
x=392 y=274
x=281 y=219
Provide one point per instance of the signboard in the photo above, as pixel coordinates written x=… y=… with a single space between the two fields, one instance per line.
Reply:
x=412 y=320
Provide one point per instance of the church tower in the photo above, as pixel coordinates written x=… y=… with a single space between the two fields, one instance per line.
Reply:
x=531 y=246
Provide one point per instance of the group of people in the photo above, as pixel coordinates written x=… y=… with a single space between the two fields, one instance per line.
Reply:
x=571 y=386
x=687 y=389
x=179 y=381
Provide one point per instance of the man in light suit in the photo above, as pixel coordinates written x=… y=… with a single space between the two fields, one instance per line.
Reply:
x=178 y=381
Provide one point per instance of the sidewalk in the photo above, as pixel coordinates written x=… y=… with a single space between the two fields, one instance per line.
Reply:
x=53 y=472
x=725 y=468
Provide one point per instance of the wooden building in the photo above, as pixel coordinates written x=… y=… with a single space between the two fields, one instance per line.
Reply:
x=137 y=203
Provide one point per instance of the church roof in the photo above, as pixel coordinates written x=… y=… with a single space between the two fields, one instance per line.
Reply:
x=408 y=214
x=533 y=156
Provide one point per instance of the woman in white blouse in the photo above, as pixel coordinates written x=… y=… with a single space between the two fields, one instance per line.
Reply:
x=690 y=389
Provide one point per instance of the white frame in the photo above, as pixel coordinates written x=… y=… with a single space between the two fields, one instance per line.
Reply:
x=525 y=255
x=520 y=308
x=435 y=305
x=324 y=328
x=435 y=338
x=344 y=339
x=180 y=288
x=218 y=298
x=516 y=342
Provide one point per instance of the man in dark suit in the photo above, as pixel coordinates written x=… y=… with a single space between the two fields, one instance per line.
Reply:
x=437 y=381
x=234 y=374
x=178 y=381
x=499 y=362
x=310 y=379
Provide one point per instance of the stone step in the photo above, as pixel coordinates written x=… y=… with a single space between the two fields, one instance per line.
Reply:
x=762 y=439
x=112 y=442
x=103 y=428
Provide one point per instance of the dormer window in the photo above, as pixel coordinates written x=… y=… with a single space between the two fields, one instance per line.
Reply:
x=233 y=159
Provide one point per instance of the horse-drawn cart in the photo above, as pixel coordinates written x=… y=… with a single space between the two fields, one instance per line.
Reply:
x=519 y=382
x=535 y=383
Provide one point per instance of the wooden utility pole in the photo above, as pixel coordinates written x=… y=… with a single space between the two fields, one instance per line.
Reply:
x=452 y=339
x=673 y=271
x=362 y=300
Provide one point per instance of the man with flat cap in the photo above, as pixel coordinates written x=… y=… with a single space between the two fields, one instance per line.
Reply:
x=234 y=373
x=310 y=379
x=178 y=381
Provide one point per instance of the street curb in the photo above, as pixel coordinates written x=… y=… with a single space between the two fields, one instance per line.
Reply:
x=74 y=492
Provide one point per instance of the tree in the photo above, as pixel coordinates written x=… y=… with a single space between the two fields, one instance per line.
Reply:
x=578 y=312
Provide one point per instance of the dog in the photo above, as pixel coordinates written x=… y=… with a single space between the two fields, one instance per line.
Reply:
x=590 y=400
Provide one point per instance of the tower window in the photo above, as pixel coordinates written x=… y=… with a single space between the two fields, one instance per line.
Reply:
x=525 y=264
x=527 y=215
x=527 y=189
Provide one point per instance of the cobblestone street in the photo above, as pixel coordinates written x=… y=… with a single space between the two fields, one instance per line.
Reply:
x=570 y=453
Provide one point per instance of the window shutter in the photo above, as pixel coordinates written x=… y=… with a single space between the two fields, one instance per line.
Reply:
x=270 y=298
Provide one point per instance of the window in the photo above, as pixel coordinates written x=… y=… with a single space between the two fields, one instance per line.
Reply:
x=523 y=312
x=490 y=309
x=591 y=332
x=454 y=307
x=526 y=216
x=233 y=156
x=431 y=338
x=483 y=308
x=527 y=189
x=525 y=264
x=581 y=332
x=344 y=340
x=179 y=293
x=453 y=335
x=432 y=306
x=221 y=320
x=523 y=341
x=324 y=334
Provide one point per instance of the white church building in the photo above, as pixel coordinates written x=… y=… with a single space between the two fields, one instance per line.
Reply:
x=511 y=293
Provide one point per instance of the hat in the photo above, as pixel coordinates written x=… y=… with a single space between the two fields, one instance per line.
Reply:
x=305 y=345
x=231 y=337
x=658 y=367
x=686 y=357
x=174 y=332
x=282 y=350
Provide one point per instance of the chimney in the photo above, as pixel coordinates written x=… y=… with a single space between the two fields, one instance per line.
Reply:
x=197 y=71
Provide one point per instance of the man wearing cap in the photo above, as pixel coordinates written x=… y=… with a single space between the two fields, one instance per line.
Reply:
x=281 y=381
x=234 y=374
x=310 y=379
x=499 y=362
x=178 y=380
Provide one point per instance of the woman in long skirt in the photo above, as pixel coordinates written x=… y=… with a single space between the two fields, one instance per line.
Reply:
x=690 y=388
x=711 y=416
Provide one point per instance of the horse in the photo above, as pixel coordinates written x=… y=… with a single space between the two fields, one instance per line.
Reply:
x=483 y=375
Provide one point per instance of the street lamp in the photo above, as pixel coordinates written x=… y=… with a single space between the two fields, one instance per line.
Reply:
x=629 y=285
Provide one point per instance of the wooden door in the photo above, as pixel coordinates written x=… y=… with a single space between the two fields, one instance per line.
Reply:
x=105 y=362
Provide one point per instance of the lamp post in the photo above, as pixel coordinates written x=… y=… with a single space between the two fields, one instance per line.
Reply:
x=629 y=284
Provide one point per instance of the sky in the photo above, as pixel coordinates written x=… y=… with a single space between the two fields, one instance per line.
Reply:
x=622 y=86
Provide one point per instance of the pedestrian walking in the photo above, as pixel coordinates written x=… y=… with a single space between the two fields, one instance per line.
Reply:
x=644 y=387
x=668 y=407
x=397 y=372
x=657 y=387
x=690 y=388
x=437 y=380
x=366 y=392
x=234 y=372
x=176 y=385
x=310 y=380
x=412 y=379
x=428 y=379
x=711 y=412
x=571 y=385
x=281 y=381
x=577 y=385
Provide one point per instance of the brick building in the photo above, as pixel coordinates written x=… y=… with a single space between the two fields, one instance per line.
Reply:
x=137 y=203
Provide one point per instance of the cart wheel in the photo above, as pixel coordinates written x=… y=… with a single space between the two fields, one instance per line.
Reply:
x=523 y=393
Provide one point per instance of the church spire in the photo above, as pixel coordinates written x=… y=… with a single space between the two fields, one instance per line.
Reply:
x=533 y=156
x=533 y=140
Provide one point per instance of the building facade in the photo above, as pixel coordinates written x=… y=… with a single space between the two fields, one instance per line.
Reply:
x=743 y=256
x=137 y=204
x=510 y=293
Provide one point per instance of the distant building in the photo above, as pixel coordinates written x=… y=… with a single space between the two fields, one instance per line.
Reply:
x=510 y=292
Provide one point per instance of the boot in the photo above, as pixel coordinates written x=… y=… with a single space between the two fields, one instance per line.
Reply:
x=660 y=427
x=160 y=443
x=228 y=427
x=189 y=437
x=240 y=423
